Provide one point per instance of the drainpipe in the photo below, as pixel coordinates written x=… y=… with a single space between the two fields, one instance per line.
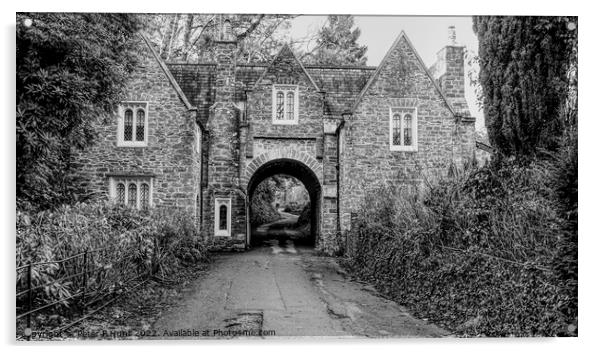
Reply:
x=344 y=118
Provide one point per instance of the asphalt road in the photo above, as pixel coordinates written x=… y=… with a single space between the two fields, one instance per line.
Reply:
x=280 y=290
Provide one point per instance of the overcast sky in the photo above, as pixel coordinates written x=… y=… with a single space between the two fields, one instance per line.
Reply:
x=428 y=35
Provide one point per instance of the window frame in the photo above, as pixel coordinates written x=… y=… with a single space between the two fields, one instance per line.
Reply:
x=285 y=89
x=126 y=181
x=134 y=106
x=218 y=203
x=403 y=111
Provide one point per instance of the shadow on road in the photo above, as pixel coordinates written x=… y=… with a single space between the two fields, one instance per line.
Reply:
x=282 y=231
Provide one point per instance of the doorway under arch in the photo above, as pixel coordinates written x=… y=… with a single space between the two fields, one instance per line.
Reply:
x=300 y=171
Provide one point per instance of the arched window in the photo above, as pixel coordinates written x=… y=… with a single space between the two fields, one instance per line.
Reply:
x=144 y=196
x=290 y=105
x=121 y=194
x=132 y=195
x=280 y=105
x=396 y=129
x=223 y=217
x=140 y=121
x=407 y=130
x=128 y=125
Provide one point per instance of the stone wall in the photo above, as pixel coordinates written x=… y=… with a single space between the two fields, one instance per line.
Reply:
x=170 y=156
x=224 y=153
x=368 y=162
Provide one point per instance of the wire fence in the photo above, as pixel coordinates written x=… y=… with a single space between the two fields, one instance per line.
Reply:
x=87 y=296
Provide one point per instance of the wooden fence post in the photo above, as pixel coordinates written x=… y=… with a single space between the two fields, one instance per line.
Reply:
x=85 y=282
x=29 y=302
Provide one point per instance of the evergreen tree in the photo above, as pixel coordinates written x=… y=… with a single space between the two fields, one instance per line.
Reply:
x=71 y=69
x=337 y=43
x=526 y=65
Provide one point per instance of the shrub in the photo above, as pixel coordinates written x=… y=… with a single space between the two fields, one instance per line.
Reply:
x=304 y=216
x=474 y=252
x=124 y=244
x=262 y=211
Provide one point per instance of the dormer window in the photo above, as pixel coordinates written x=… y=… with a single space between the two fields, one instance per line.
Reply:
x=403 y=129
x=132 y=128
x=285 y=103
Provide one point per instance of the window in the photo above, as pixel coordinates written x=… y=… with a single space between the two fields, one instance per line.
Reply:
x=121 y=193
x=132 y=129
x=403 y=128
x=396 y=129
x=135 y=192
x=144 y=196
x=285 y=104
x=407 y=130
x=222 y=216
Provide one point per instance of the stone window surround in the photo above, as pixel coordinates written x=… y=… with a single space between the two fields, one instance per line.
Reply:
x=127 y=180
x=219 y=201
x=402 y=111
x=134 y=106
x=285 y=89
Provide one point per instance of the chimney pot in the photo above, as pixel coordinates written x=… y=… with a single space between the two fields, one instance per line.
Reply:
x=451 y=35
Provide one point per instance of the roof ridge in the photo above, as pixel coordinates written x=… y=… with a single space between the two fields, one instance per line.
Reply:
x=168 y=73
x=402 y=35
x=286 y=46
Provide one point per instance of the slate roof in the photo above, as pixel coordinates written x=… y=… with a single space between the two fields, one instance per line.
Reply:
x=342 y=84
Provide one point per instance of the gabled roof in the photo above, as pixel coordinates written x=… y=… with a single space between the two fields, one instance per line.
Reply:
x=170 y=77
x=402 y=36
x=286 y=50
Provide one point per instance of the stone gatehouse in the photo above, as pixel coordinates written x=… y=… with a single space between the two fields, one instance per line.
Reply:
x=201 y=137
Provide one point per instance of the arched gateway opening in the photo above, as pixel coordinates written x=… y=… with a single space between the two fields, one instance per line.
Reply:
x=300 y=171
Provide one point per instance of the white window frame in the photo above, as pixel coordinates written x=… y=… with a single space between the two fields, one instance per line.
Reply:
x=285 y=89
x=134 y=106
x=403 y=111
x=218 y=203
x=127 y=180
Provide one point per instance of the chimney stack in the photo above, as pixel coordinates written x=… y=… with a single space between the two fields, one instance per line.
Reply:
x=448 y=71
x=451 y=35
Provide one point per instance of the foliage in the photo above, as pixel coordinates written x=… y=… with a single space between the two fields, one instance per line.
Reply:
x=262 y=210
x=337 y=43
x=305 y=216
x=71 y=69
x=477 y=252
x=190 y=37
x=124 y=244
x=528 y=69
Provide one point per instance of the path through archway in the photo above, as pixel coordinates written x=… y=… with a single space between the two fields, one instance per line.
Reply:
x=305 y=175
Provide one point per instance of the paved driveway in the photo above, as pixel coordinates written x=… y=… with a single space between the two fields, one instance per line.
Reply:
x=279 y=290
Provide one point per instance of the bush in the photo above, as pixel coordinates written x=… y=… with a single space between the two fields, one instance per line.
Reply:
x=262 y=211
x=474 y=252
x=304 y=216
x=130 y=244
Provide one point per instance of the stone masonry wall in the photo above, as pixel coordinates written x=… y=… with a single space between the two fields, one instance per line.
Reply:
x=307 y=136
x=223 y=153
x=368 y=162
x=170 y=154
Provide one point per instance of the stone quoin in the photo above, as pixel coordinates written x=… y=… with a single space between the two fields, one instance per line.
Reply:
x=201 y=137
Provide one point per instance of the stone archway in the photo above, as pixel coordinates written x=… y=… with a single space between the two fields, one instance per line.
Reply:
x=295 y=164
